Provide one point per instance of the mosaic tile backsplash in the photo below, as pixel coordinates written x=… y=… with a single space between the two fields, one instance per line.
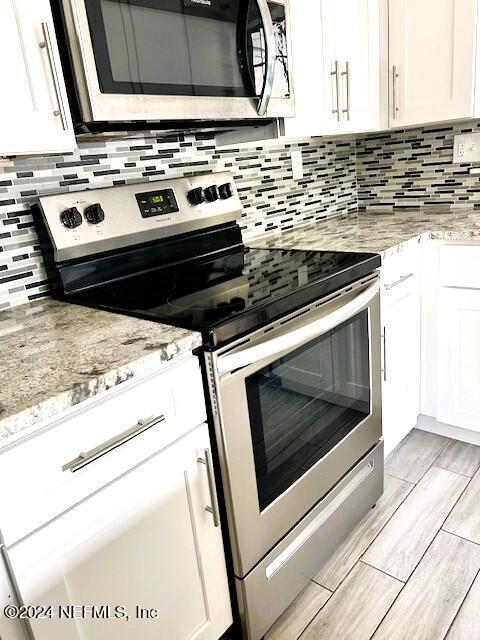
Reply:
x=413 y=168
x=271 y=198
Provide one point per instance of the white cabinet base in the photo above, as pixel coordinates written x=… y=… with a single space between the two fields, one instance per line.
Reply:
x=427 y=423
x=458 y=390
x=145 y=541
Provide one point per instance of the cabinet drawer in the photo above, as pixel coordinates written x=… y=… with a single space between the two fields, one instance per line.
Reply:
x=286 y=570
x=51 y=471
x=460 y=266
x=400 y=275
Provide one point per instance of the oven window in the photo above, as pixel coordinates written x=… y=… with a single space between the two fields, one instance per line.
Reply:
x=303 y=404
x=178 y=47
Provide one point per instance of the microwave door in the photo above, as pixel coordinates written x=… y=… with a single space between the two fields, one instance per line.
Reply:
x=137 y=60
x=165 y=47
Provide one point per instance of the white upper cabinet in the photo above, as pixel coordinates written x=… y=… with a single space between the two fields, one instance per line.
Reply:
x=354 y=51
x=340 y=66
x=432 y=60
x=34 y=113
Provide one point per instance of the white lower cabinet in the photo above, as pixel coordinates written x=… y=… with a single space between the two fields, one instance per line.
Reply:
x=143 y=547
x=458 y=392
x=401 y=348
x=10 y=628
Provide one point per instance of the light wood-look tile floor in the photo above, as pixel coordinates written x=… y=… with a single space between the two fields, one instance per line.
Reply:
x=410 y=569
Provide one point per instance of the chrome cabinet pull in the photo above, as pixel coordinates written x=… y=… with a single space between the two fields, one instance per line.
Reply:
x=399 y=281
x=346 y=75
x=86 y=458
x=336 y=75
x=384 y=353
x=47 y=44
x=213 y=507
x=270 y=56
x=396 y=108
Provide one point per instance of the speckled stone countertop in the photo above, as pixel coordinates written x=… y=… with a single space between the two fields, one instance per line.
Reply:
x=383 y=233
x=54 y=355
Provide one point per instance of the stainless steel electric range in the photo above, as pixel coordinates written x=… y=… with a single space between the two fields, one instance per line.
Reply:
x=291 y=360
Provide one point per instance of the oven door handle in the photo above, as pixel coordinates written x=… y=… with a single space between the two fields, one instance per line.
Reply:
x=297 y=337
x=270 y=55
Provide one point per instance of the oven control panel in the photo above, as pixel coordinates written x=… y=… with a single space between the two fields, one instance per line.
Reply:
x=94 y=221
x=155 y=203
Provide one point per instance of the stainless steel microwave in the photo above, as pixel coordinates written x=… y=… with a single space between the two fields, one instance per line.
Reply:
x=176 y=60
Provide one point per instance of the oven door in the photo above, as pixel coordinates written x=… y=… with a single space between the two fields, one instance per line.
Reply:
x=296 y=405
x=180 y=59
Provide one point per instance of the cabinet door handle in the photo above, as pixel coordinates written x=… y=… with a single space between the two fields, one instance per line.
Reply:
x=213 y=507
x=47 y=44
x=86 y=458
x=399 y=281
x=346 y=75
x=385 y=353
x=336 y=74
x=396 y=108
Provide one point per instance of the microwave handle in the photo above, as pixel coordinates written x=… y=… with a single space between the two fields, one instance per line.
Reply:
x=297 y=337
x=270 y=55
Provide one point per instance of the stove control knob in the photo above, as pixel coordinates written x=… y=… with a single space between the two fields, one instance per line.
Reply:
x=71 y=218
x=211 y=193
x=94 y=213
x=225 y=191
x=196 y=196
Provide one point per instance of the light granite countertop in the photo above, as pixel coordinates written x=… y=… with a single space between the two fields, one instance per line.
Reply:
x=54 y=355
x=383 y=233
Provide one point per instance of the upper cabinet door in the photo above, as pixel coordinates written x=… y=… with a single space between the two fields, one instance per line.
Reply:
x=307 y=58
x=340 y=52
x=34 y=112
x=355 y=52
x=432 y=60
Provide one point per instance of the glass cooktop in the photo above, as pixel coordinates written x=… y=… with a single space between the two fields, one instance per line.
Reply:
x=226 y=296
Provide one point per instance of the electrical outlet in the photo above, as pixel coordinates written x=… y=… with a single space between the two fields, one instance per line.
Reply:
x=297 y=164
x=466 y=148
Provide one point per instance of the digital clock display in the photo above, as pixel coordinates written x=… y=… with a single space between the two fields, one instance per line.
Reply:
x=157 y=203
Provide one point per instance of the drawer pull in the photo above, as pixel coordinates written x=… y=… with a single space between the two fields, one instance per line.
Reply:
x=213 y=509
x=85 y=458
x=399 y=281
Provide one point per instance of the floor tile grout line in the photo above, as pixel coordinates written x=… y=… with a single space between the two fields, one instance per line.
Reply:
x=402 y=582
x=447 y=443
x=390 y=475
x=407 y=581
x=459 y=473
x=340 y=584
x=413 y=485
x=461 y=537
x=361 y=555
x=449 y=440
x=398 y=507
x=421 y=560
x=315 y=614
x=423 y=556
x=462 y=603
